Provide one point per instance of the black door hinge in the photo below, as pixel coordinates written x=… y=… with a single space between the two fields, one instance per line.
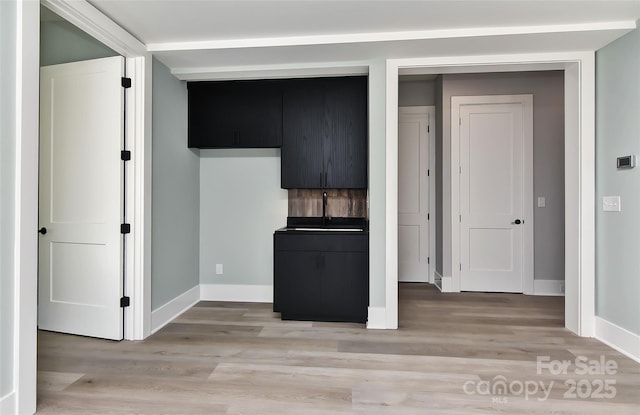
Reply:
x=125 y=155
x=126 y=82
x=428 y=260
x=125 y=228
x=125 y=302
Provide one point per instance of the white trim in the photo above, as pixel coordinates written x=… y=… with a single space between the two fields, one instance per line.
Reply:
x=8 y=403
x=579 y=167
x=388 y=36
x=221 y=73
x=526 y=100
x=92 y=21
x=619 y=338
x=165 y=314
x=376 y=318
x=548 y=287
x=446 y=285
x=391 y=223
x=237 y=293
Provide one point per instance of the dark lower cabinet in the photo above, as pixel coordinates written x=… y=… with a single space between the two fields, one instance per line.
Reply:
x=321 y=276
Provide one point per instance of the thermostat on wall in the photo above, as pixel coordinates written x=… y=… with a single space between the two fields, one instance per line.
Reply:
x=626 y=162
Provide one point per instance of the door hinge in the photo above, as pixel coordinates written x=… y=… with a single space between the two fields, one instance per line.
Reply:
x=125 y=301
x=428 y=172
x=428 y=128
x=125 y=155
x=428 y=260
x=125 y=228
x=460 y=267
x=460 y=169
x=460 y=121
x=460 y=218
x=126 y=82
x=428 y=216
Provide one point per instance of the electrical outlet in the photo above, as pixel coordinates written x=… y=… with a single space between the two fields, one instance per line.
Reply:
x=542 y=202
x=219 y=269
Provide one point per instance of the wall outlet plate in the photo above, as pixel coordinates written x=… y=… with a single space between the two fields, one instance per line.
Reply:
x=219 y=270
x=611 y=203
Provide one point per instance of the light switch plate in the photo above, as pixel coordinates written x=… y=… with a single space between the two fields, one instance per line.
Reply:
x=542 y=201
x=219 y=269
x=611 y=203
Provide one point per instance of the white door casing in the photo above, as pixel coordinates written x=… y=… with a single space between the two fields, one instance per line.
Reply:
x=81 y=198
x=495 y=136
x=414 y=189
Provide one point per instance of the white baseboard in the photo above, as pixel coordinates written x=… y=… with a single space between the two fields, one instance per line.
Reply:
x=377 y=318
x=237 y=293
x=8 y=403
x=168 y=312
x=447 y=285
x=548 y=287
x=619 y=338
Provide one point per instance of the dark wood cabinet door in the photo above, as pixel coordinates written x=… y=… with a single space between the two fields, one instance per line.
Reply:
x=345 y=149
x=303 y=134
x=298 y=275
x=242 y=114
x=344 y=286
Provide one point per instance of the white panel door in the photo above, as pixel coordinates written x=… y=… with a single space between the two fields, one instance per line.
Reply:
x=492 y=163
x=413 y=195
x=81 y=198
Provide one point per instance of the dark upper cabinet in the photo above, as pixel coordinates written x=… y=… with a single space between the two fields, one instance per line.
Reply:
x=324 y=142
x=235 y=114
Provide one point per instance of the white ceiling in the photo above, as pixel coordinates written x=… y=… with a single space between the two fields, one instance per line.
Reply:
x=195 y=36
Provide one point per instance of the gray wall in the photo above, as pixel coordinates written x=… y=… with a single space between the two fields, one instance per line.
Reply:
x=241 y=205
x=416 y=93
x=548 y=157
x=176 y=197
x=62 y=42
x=618 y=134
x=7 y=184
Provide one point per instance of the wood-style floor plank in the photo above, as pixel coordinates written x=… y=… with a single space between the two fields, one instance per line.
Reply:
x=240 y=358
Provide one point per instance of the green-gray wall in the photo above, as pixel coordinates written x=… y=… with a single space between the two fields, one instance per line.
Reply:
x=176 y=193
x=618 y=134
x=62 y=42
x=7 y=184
x=241 y=205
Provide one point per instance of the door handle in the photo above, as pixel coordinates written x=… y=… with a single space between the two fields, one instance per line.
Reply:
x=517 y=222
x=43 y=230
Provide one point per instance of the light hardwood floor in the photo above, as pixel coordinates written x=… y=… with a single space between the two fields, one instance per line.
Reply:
x=450 y=351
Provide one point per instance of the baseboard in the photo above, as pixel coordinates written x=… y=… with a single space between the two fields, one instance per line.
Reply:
x=548 y=287
x=447 y=285
x=377 y=318
x=165 y=314
x=237 y=293
x=619 y=338
x=8 y=403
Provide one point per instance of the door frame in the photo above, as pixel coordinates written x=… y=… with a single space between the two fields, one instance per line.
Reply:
x=137 y=317
x=430 y=112
x=527 y=195
x=579 y=92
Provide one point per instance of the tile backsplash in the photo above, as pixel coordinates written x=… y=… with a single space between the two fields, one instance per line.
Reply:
x=340 y=202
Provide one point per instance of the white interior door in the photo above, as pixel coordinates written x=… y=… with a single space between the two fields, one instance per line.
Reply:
x=413 y=193
x=81 y=198
x=494 y=138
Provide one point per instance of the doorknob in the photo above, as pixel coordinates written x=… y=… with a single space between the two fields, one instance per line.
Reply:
x=517 y=222
x=43 y=230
